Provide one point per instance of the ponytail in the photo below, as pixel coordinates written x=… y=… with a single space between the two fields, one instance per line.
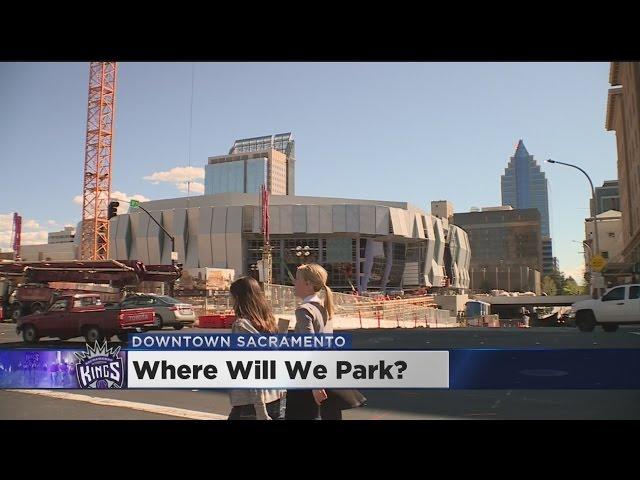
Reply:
x=328 y=301
x=317 y=276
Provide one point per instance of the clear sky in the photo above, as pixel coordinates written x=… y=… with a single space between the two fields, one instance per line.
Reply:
x=411 y=132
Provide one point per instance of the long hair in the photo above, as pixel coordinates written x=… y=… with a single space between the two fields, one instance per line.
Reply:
x=317 y=276
x=251 y=304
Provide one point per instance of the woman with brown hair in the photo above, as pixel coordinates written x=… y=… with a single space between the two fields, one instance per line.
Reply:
x=253 y=316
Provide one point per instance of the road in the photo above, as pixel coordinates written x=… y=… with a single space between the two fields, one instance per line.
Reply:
x=383 y=404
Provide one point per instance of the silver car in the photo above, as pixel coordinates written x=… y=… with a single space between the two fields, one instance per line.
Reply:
x=168 y=310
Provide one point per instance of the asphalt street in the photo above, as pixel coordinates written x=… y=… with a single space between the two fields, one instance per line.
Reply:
x=382 y=405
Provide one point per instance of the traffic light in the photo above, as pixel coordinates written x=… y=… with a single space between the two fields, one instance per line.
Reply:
x=113 y=209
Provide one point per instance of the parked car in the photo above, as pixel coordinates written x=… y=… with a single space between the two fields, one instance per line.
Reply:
x=168 y=310
x=85 y=315
x=618 y=306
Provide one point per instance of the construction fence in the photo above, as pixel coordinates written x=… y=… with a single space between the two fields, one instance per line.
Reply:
x=351 y=311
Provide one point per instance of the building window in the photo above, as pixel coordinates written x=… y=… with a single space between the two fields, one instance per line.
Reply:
x=612 y=235
x=605 y=255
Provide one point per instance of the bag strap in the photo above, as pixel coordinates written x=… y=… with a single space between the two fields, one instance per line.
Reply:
x=323 y=311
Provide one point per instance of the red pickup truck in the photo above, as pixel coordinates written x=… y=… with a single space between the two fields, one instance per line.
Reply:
x=85 y=315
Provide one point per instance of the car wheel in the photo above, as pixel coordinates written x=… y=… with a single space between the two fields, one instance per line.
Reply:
x=611 y=327
x=159 y=323
x=92 y=334
x=178 y=327
x=29 y=334
x=16 y=313
x=585 y=321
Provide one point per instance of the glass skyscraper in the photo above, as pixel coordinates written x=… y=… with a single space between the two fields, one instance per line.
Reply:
x=524 y=185
x=282 y=142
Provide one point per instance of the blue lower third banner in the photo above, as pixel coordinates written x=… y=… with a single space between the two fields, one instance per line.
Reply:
x=109 y=367
x=545 y=369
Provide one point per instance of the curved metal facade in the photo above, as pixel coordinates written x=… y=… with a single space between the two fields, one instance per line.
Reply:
x=388 y=244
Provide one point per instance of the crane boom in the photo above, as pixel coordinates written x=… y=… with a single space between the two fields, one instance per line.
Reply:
x=94 y=244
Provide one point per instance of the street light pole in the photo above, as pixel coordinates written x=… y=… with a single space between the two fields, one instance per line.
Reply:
x=173 y=240
x=174 y=255
x=595 y=217
x=593 y=195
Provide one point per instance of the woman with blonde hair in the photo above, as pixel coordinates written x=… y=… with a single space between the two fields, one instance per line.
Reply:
x=312 y=316
x=253 y=316
x=315 y=316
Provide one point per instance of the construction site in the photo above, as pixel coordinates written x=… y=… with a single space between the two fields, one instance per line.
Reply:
x=382 y=257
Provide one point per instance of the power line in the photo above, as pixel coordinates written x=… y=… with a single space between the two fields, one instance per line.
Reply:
x=190 y=131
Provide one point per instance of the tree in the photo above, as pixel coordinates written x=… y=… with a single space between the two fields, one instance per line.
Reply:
x=558 y=278
x=549 y=286
x=570 y=287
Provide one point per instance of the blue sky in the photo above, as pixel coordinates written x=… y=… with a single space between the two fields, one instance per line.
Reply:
x=411 y=132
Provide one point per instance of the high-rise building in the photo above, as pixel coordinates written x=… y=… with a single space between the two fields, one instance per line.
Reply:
x=524 y=185
x=607 y=197
x=506 y=247
x=548 y=264
x=282 y=142
x=246 y=173
x=623 y=116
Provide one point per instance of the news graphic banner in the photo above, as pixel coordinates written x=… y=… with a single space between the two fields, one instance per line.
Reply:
x=301 y=369
x=223 y=361
x=98 y=366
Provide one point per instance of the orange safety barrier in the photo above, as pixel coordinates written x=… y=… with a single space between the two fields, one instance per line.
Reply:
x=216 y=321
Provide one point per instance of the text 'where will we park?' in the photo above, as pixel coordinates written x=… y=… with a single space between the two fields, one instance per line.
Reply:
x=306 y=369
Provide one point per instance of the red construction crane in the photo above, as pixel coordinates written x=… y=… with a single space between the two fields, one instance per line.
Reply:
x=15 y=235
x=267 y=256
x=94 y=244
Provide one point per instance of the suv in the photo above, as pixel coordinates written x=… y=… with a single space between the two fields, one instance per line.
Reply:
x=620 y=305
x=168 y=310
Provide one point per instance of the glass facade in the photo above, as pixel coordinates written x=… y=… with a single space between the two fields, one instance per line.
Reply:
x=399 y=251
x=511 y=237
x=225 y=177
x=547 y=257
x=378 y=266
x=524 y=185
x=240 y=176
x=282 y=142
x=256 y=174
x=338 y=259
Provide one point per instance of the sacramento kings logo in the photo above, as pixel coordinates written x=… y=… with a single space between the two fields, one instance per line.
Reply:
x=100 y=367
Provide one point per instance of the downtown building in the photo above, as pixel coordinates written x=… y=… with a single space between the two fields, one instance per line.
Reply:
x=607 y=198
x=623 y=117
x=63 y=236
x=251 y=163
x=370 y=244
x=524 y=185
x=506 y=246
x=364 y=244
